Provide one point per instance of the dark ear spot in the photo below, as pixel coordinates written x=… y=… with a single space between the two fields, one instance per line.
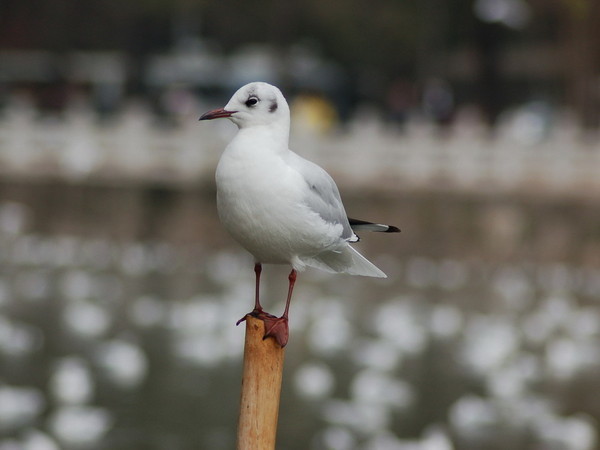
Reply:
x=273 y=107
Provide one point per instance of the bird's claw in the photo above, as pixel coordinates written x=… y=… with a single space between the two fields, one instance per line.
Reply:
x=259 y=314
x=275 y=327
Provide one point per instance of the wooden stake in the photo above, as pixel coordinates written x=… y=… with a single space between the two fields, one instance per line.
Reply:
x=261 y=388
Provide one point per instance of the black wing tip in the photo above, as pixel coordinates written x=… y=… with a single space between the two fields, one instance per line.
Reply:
x=358 y=222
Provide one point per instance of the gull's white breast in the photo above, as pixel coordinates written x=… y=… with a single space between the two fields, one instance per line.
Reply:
x=261 y=202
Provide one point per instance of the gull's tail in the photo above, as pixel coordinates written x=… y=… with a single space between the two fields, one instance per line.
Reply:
x=346 y=260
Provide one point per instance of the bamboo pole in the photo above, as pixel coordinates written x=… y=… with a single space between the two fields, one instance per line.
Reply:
x=261 y=388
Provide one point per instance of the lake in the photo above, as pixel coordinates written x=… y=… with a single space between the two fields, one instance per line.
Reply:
x=118 y=304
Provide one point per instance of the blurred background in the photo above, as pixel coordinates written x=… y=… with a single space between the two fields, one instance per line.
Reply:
x=472 y=125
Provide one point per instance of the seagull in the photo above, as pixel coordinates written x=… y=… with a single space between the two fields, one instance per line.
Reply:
x=280 y=207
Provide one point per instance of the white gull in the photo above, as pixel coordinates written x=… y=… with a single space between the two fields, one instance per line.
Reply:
x=279 y=206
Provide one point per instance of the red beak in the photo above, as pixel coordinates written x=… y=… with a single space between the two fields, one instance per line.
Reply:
x=216 y=114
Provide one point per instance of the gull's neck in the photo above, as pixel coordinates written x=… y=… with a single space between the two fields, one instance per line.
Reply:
x=273 y=137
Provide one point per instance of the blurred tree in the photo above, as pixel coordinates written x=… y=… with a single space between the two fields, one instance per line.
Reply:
x=377 y=40
x=582 y=43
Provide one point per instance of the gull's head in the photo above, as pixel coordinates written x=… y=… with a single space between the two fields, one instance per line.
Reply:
x=254 y=104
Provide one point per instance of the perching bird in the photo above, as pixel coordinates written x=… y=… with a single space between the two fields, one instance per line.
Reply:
x=279 y=206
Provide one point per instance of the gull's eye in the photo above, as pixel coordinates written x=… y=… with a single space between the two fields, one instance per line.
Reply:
x=252 y=101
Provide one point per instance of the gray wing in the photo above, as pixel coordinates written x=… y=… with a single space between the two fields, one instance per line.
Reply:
x=323 y=196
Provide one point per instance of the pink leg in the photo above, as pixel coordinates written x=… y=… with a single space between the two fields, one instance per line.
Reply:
x=258 y=310
x=277 y=327
x=257 y=271
x=292 y=279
